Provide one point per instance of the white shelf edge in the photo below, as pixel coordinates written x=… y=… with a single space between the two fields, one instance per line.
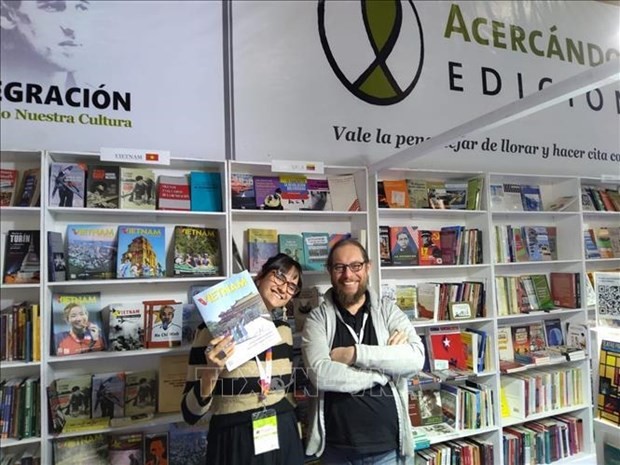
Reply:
x=159 y=419
x=104 y=354
x=509 y=421
x=129 y=282
x=10 y=442
x=465 y=433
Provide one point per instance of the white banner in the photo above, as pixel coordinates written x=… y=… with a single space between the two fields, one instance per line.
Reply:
x=354 y=82
x=80 y=75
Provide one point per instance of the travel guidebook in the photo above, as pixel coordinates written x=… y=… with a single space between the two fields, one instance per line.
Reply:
x=234 y=307
x=141 y=252
x=91 y=251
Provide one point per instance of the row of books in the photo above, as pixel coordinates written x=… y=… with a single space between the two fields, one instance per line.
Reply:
x=525 y=243
x=543 y=441
x=78 y=185
x=16 y=193
x=294 y=192
x=20 y=332
x=410 y=246
x=119 y=326
x=419 y=193
x=534 y=292
x=468 y=451
x=538 y=391
x=310 y=249
x=92 y=400
x=181 y=444
x=602 y=242
x=20 y=408
x=596 y=198
x=437 y=301
x=524 y=197
x=542 y=342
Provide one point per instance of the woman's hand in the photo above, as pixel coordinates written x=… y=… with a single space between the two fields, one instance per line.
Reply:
x=222 y=348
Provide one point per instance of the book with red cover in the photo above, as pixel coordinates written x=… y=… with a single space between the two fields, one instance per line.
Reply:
x=8 y=187
x=565 y=289
x=446 y=344
x=430 y=247
x=173 y=193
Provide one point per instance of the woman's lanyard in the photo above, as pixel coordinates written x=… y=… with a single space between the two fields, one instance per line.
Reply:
x=356 y=337
x=265 y=374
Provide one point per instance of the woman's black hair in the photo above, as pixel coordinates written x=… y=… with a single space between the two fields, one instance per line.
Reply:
x=281 y=262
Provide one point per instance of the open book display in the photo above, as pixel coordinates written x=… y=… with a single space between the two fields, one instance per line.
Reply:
x=234 y=307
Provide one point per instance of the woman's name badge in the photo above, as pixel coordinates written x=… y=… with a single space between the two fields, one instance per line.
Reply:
x=265 y=431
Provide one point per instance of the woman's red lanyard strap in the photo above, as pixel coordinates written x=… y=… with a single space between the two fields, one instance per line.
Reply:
x=265 y=374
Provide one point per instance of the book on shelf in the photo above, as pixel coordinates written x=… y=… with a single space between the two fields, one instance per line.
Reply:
x=293 y=246
x=381 y=199
x=191 y=321
x=76 y=323
x=294 y=192
x=268 y=193
x=590 y=245
x=554 y=336
x=8 y=186
x=586 y=200
x=74 y=399
x=512 y=197
x=603 y=242
x=22 y=257
x=404 y=245
x=141 y=252
x=173 y=193
x=429 y=244
x=565 y=289
x=125 y=322
x=607 y=289
x=172 y=375
x=102 y=186
x=56 y=263
x=428 y=296
x=67 y=184
x=235 y=308
x=188 y=444
x=561 y=203
x=90 y=448
x=384 y=245
x=334 y=238
x=163 y=323
x=497 y=197
x=531 y=198
x=262 y=244
x=29 y=193
x=406 y=296
x=418 y=193
x=577 y=335
x=614 y=239
x=126 y=449
x=537 y=242
x=108 y=395
x=474 y=193
x=343 y=193
x=611 y=453
x=140 y=392
x=91 y=251
x=205 y=191
x=396 y=193
x=608 y=395
x=430 y=407
x=237 y=260
x=543 y=292
x=320 y=197
x=455 y=197
x=137 y=188
x=316 y=250
x=156 y=448
x=446 y=346
x=242 y=191
x=436 y=194
x=197 y=251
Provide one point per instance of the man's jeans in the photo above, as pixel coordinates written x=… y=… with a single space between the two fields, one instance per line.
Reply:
x=336 y=456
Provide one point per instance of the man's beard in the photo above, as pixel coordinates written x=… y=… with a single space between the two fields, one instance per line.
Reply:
x=350 y=299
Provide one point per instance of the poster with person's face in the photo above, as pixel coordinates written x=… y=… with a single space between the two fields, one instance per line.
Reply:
x=81 y=75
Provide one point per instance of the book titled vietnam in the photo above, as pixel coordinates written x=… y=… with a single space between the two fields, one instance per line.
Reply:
x=76 y=323
x=125 y=323
x=141 y=252
x=196 y=251
x=22 y=262
x=234 y=307
x=91 y=251
x=67 y=185
x=102 y=184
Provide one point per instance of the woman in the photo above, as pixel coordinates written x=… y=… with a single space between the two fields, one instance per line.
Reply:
x=234 y=396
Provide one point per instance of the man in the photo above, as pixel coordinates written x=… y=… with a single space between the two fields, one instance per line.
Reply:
x=166 y=329
x=41 y=39
x=359 y=353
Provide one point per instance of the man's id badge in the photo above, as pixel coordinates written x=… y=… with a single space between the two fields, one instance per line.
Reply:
x=265 y=431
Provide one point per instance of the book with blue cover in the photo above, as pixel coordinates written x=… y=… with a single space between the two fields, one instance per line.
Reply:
x=205 y=191
x=91 y=251
x=141 y=252
x=235 y=308
x=531 y=198
x=316 y=250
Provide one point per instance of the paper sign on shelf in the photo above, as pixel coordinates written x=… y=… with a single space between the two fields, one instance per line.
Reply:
x=141 y=156
x=297 y=166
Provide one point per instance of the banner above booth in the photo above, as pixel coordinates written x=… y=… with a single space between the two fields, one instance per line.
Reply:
x=355 y=82
x=80 y=75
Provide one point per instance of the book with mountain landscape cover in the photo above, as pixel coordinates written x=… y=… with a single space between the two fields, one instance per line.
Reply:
x=234 y=307
x=91 y=251
x=197 y=251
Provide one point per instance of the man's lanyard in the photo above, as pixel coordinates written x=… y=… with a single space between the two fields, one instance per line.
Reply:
x=356 y=337
x=265 y=374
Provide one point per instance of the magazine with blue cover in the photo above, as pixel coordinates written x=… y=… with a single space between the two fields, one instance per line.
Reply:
x=91 y=251
x=234 y=307
x=141 y=252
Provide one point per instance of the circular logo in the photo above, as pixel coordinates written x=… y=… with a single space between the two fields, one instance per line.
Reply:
x=377 y=53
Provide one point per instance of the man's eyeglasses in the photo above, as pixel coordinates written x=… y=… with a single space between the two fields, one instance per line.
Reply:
x=280 y=279
x=353 y=266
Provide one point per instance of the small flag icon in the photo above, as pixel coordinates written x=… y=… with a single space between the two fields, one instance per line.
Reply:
x=152 y=157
